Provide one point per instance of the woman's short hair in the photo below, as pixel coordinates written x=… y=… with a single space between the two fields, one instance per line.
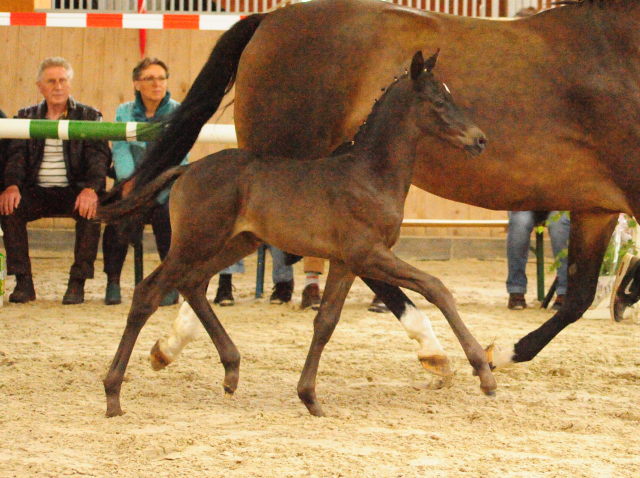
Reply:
x=54 y=61
x=146 y=63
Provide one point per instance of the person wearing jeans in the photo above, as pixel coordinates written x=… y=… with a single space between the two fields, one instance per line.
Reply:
x=521 y=224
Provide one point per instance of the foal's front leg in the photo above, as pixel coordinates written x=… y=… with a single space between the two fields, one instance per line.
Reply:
x=336 y=289
x=382 y=264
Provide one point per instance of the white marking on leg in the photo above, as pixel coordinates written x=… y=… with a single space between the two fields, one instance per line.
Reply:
x=186 y=328
x=418 y=327
x=500 y=357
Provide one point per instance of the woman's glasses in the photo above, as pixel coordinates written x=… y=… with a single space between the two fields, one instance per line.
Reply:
x=152 y=79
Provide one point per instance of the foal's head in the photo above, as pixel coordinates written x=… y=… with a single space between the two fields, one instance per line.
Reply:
x=437 y=114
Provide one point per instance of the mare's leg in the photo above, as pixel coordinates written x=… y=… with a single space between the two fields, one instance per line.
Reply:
x=185 y=330
x=417 y=325
x=146 y=299
x=588 y=239
x=381 y=264
x=336 y=289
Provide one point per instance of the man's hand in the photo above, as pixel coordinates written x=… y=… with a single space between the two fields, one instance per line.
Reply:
x=127 y=188
x=87 y=203
x=9 y=200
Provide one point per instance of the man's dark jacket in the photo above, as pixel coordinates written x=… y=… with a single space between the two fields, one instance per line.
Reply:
x=87 y=162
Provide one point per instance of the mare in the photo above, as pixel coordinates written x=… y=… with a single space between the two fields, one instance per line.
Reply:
x=558 y=94
x=359 y=197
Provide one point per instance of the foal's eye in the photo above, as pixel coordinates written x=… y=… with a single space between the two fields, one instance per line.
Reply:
x=439 y=103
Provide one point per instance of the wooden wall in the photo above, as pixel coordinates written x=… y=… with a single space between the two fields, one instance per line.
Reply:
x=103 y=58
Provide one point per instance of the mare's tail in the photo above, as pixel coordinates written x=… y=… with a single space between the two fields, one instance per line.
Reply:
x=138 y=202
x=214 y=81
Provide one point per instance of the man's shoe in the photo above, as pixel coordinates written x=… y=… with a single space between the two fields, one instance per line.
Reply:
x=517 y=302
x=311 y=297
x=224 y=295
x=170 y=299
x=378 y=306
x=24 y=290
x=112 y=295
x=559 y=302
x=282 y=292
x=626 y=288
x=75 y=292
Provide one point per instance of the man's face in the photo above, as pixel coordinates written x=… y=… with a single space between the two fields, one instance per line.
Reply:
x=55 y=86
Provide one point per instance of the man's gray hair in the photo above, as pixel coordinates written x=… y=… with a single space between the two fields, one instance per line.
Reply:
x=54 y=61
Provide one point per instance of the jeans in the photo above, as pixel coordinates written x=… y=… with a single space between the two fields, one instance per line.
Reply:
x=280 y=273
x=521 y=224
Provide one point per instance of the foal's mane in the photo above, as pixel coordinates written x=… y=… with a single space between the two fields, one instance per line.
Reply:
x=364 y=128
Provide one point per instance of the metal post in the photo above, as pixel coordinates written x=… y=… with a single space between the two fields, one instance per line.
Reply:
x=540 y=264
x=260 y=271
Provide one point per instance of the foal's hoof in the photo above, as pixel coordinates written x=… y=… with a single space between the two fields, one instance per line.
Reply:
x=437 y=364
x=158 y=358
x=498 y=357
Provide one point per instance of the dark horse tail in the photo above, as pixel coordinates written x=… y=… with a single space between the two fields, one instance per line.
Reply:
x=214 y=81
x=140 y=201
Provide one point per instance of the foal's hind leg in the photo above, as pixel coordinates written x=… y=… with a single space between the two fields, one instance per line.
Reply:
x=336 y=289
x=146 y=299
x=195 y=295
x=381 y=264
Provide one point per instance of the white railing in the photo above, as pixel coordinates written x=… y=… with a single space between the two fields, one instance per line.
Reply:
x=475 y=8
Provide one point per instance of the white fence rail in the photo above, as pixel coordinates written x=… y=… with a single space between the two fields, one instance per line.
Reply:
x=475 y=8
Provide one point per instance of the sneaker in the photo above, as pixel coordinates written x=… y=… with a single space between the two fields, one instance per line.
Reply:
x=626 y=288
x=311 y=297
x=378 y=306
x=75 y=292
x=24 y=290
x=112 y=296
x=282 y=292
x=559 y=302
x=517 y=302
x=170 y=299
x=224 y=295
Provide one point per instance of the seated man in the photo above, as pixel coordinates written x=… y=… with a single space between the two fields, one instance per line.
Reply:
x=51 y=177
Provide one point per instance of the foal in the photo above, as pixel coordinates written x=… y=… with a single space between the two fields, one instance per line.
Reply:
x=358 y=198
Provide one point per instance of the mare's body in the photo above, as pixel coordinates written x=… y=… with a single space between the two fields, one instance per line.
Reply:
x=359 y=199
x=558 y=95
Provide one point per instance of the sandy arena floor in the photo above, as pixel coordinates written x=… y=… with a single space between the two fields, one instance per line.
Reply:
x=572 y=412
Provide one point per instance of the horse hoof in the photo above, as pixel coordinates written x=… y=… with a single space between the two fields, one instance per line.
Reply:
x=437 y=364
x=114 y=413
x=498 y=357
x=490 y=393
x=157 y=357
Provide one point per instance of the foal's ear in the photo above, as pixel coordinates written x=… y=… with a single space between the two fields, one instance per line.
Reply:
x=417 y=65
x=431 y=61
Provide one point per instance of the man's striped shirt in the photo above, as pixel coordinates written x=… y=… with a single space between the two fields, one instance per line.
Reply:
x=53 y=171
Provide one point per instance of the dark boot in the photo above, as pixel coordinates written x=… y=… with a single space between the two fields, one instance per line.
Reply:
x=24 y=291
x=75 y=292
x=171 y=298
x=378 y=306
x=224 y=295
x=112 y=295
x=282 y=292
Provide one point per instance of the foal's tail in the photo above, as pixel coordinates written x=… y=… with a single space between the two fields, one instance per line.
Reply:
x=214 y=81
x=139 y=201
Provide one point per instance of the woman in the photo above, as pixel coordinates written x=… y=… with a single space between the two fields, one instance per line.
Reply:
x=152 y=101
